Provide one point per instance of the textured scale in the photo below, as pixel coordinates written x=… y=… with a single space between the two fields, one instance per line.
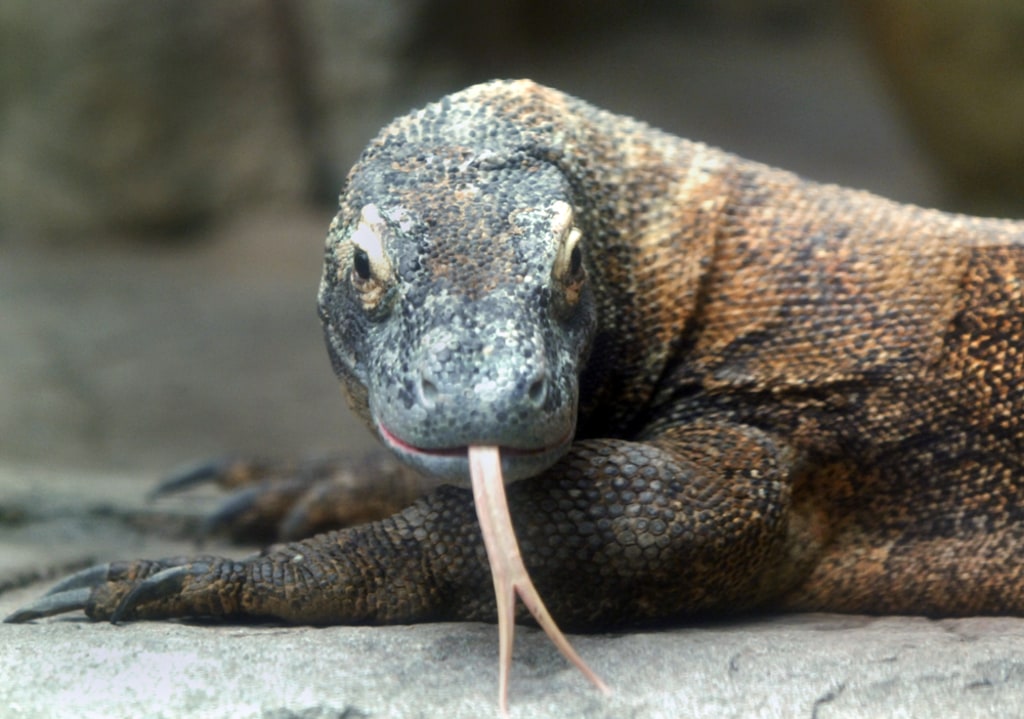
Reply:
x=716 y=385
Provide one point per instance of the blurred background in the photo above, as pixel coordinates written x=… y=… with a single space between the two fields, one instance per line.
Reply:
x=168 y=171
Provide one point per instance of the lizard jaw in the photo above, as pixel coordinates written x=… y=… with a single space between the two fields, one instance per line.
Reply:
x=452 y=463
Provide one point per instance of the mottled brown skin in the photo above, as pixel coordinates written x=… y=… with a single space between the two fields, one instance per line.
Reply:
x=797 y=396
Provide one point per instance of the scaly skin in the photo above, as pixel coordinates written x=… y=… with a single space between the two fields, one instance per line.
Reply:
x=782 y=394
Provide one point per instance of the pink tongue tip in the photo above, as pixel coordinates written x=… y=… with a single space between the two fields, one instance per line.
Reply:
x=508 y=571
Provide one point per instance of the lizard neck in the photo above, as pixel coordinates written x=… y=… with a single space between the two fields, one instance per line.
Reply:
x=654 y=213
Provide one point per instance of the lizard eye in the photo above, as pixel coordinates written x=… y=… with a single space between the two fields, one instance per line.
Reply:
x=575 y=261
x=568 y=272
x=371 y=273
x=568 y=268
x=361 y=265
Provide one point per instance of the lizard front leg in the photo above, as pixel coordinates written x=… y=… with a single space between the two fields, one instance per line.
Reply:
x=691 y=520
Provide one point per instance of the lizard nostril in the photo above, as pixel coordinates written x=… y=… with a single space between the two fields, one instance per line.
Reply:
x=428 y=392
x=538 y=390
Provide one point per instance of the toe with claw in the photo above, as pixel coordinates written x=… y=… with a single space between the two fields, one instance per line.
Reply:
x=122 y=591
x=279 y=501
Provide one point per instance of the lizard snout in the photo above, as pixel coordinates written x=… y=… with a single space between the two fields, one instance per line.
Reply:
x=531 y=388
x=484 y=387
x=485 y=373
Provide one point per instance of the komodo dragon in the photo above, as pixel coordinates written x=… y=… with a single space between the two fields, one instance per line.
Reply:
x=718 y=386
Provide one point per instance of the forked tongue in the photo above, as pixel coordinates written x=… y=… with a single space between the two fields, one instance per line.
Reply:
x=508 y=571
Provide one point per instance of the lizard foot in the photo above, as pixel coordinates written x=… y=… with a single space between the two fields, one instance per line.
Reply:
x=143 y=589
x=282 y=501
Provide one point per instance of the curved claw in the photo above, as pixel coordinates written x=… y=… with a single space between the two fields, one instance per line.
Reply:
x=234 y=506
x=201 y=473
x=84 y=578
x=291 y=528
x=162 y=584
x=254 y=510
x=50 y=604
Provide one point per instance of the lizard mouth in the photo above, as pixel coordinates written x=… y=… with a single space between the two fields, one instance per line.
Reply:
x=453 y=462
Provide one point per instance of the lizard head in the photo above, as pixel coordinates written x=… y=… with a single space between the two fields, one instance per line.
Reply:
x=456 y=306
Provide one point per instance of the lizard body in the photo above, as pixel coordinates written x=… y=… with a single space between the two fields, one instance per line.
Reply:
x=719 y=386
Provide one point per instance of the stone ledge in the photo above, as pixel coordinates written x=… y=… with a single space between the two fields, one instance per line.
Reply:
x=794 y=666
